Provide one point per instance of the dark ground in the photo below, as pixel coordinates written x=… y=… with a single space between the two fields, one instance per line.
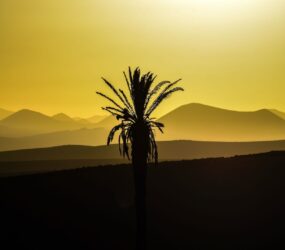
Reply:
x=234 y=203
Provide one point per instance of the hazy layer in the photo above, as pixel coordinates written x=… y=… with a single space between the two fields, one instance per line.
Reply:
x=30 y=129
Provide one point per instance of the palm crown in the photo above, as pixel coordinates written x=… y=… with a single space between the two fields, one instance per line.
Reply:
x=143 y=99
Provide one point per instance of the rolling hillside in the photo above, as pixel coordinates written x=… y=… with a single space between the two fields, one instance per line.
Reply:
x=168 y=150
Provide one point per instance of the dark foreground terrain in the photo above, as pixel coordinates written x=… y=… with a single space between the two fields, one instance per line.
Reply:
x=223 y=203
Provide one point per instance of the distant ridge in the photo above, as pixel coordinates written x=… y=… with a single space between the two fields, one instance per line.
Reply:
x=27 y=123
x=26 y=115
x=62 y=117
x=107 y=123
x=192 y=121
x=31 y=121
x=96 y=118
x=201 y=122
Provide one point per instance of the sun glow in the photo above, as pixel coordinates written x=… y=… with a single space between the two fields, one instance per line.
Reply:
x=222 y=13
x=211 y=4
x=55 y=52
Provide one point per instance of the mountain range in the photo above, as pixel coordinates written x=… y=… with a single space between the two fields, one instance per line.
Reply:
x=28 y=123
x=206 y=123
x=39 y=160
x=168 y=150
x=30 y=129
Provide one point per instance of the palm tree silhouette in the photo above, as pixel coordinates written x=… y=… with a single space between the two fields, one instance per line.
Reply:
x=137 y=129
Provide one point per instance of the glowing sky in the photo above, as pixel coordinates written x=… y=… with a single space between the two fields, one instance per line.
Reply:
x=229 y=53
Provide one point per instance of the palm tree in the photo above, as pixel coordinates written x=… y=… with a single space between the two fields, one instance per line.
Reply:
x=136 y=128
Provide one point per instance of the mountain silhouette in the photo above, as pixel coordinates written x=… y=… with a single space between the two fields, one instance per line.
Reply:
x=30 y=122
x=201 y=122
x=96 y=118
x=107 y=123
x=4 y=113
x=62 y=117
x=27 y=123
x=188 y=122
x=82 y=121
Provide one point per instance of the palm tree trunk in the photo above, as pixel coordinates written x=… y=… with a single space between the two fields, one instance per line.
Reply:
x=139 y=160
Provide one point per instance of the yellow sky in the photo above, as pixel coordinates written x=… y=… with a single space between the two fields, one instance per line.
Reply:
x=230 y=53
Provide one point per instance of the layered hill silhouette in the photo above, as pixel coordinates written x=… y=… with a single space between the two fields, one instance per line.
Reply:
x=108 y=122
x=62 y=117
x=84 y=136
x=168 y=150
x=27 y=122
x=202 y=122
x=206 y=123
x=96 y=118
x=38 y=160
x=26 y=128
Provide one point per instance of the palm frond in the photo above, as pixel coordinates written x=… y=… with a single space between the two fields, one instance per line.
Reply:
x=127 y=81
x=161 y=98
x=119 y=140
x=112 y=133
x=122 y=99
x=148 y=82
x=159 y=86
x=114 y=109
x=154 y=91
x=130 y=75
x=127 y=102
x=118 y=116
x=125 y=143
x=171 y=85
x=136 y=108
x=157 y=125
x=109 y=99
